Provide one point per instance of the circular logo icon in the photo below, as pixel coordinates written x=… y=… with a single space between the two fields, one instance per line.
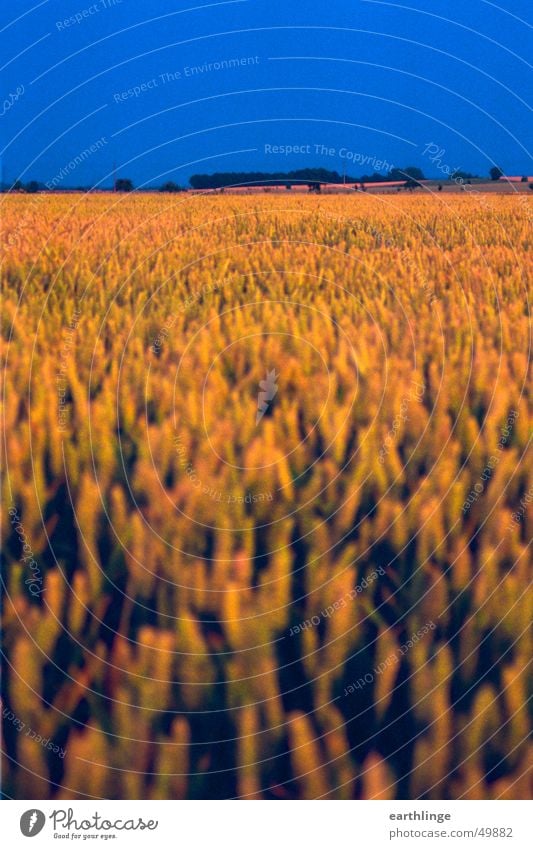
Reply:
x=32 y=822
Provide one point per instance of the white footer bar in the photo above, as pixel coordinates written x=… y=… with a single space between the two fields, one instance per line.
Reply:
x=268 y=825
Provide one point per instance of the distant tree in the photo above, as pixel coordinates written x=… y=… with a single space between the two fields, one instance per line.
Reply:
x=170 y=186
x=531 y=186
x=32 y=187
x=415 y=173
x=375 y=177
x=524 y=180
x=495 y=173
x=411 y=172
x=412 y=184
x=123 y=185
x=440 y=187
x=17 y=186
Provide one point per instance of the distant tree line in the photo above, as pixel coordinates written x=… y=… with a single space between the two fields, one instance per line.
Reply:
x=121 y=184
x=31 y=187
x=221 y=180
x=224 y=179
x=411 y=176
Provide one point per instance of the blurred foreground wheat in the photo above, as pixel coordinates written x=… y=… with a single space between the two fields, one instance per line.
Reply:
x=331 y=602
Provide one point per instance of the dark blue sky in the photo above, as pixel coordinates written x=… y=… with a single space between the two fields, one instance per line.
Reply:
x=373 y=81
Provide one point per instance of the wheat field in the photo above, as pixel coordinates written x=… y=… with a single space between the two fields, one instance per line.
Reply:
x=268 y=496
